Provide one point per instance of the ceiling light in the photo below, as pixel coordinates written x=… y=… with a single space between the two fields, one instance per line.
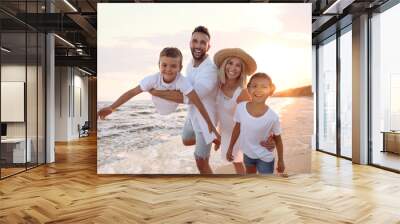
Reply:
x=71 y=6
x=79 y=51
x=5 y=50
x=64 y=40
x=84 y=71
x=338 y=6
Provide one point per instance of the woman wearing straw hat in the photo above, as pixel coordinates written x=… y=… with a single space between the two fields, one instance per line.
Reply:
x=234 y=65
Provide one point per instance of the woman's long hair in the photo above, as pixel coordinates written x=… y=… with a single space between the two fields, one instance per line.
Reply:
x=222 y=77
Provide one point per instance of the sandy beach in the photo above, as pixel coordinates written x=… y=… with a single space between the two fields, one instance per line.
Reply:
x=171 y=157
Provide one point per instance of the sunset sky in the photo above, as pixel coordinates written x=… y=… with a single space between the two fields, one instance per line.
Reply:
x=131 y=36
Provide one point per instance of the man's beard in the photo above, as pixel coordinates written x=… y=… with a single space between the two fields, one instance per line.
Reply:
x=202 y=55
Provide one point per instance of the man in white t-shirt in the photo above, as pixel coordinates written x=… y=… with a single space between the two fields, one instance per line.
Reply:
x=202 y=74
x=169 y=78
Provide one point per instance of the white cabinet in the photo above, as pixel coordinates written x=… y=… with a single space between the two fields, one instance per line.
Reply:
x=17 y=146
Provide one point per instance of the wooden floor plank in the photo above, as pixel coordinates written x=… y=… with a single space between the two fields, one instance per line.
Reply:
x=70 y=191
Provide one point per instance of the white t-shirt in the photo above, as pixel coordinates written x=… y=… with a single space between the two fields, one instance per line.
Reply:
x=156 y=82
x=253 y=130
x=204 y=80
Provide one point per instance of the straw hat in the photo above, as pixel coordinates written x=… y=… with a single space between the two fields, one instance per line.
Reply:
x=250 y=64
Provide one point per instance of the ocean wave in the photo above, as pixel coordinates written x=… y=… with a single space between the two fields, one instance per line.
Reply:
x=125 y=126
x=144 y=112
x=146 y=128
x=104 y=136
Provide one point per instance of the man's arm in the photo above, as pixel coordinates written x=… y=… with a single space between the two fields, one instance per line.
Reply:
x=269 y=143
x=279 y=146
x=171 y=95
x=243 y=97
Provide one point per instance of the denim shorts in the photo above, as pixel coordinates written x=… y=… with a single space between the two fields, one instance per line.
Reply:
x=202 y=149
x=262 y=166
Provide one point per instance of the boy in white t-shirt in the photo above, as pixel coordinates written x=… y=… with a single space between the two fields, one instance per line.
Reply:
x=169 y=78
x=254 y=123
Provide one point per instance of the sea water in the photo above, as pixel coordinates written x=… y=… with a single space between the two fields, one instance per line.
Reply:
x=135 y=139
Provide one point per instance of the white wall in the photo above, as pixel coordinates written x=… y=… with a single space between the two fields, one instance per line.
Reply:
x=80 y=118
x=69 y=85
x=62 y=80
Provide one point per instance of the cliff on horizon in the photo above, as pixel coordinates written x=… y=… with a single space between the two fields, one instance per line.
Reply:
x=295 y=92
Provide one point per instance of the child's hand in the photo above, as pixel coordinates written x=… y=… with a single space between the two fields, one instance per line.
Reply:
x=217 y=141
x=281 y=166
x=216 y=144
x=229 y=155
x=104 y=112
x=269 y=144
x=283 y=175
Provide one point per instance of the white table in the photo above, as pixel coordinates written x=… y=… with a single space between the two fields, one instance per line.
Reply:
x=18 y=149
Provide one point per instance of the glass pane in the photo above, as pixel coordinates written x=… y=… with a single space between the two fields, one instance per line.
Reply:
x=386 y=89
x=31 y=85
x=23 y=82
x=31 y=100
x=41 y=98
x=13 y=87
x=346 y=94
x=327 y=97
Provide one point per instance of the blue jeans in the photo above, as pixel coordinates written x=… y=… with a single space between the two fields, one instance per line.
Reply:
x=202 y=149
x=261 y=166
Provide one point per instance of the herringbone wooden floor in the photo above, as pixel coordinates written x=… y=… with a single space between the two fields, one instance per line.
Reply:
x=70 y=191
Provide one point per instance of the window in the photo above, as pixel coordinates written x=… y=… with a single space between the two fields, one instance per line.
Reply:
x=327 y=96
x=385 y=89
x=22 y=68
x=346 y=94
